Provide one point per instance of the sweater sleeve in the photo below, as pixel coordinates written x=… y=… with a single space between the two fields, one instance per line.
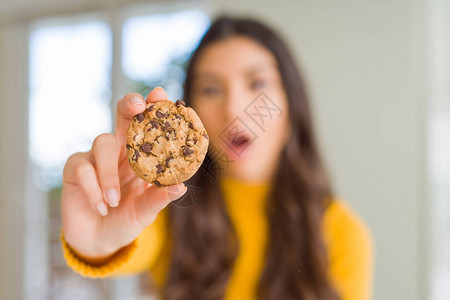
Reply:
x=137 y=257
x=350 y=252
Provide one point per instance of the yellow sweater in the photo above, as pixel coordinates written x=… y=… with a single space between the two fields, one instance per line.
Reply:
x=349 y=243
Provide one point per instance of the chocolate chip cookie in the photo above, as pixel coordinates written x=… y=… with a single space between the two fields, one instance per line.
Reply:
x=166 y=144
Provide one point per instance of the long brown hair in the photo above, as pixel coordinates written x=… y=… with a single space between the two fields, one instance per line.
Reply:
x=203 y=243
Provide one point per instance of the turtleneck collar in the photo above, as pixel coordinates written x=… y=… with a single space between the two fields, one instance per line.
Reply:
x=239 y=192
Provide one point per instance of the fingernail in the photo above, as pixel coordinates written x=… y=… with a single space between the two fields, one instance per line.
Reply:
x=137 y=101
x=176 y=191
x=102 y=209
x=112 y=197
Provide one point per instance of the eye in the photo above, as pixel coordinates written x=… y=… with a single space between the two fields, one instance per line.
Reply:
x=209 y=90
x=258 y=84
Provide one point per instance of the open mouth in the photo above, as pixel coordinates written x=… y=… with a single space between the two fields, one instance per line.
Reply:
x=239 y=142
x=237 y=138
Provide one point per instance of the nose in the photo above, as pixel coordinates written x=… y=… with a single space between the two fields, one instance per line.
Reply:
x=234 y=103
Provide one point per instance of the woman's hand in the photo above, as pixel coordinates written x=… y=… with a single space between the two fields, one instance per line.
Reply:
x=102 y=177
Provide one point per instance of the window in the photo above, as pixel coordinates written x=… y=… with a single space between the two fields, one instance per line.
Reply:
x=157 y=47
x=69 y=93
x=71 y=97
x=69 y=84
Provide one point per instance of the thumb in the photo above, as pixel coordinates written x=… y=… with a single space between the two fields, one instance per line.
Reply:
x=155 y=199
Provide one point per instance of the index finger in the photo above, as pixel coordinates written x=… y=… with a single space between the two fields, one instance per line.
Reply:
x=157 y=94
x=131 y=105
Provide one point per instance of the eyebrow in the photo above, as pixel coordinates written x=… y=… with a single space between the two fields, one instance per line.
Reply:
x=261 y=66
x=207 y=74
x=249 y=71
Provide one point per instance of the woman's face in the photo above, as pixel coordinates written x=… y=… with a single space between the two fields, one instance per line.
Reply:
x=229 y=77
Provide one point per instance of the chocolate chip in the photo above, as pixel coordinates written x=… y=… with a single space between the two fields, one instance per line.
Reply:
x=140 y=117
x=187 y=151
x=136 y=155
x=178 y=116
x=206 y=136
x=180 y=103
x=191 y=141
x=159 y=168
x=157 y=183
x=151 y=107
x=168 y=160
x=146 y=147
x=161 y=115
x=129 y=147
x=157 y=138
x=134 y=137
x=166 y=125
x=153 y=124
x=145 y=175
x=191 y=126
x=170 y=134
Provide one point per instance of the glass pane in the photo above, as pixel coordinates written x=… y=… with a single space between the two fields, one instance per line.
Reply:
x=157 y=47
x=69 y=93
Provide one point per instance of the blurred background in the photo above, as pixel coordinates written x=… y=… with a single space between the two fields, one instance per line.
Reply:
x=378 y=72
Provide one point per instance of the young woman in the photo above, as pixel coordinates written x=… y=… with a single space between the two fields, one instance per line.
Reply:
x=265 y=224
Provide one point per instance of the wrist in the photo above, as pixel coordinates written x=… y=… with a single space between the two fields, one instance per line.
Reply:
x=93 y=257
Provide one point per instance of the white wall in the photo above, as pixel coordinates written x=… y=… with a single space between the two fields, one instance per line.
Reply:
x=364 y=63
